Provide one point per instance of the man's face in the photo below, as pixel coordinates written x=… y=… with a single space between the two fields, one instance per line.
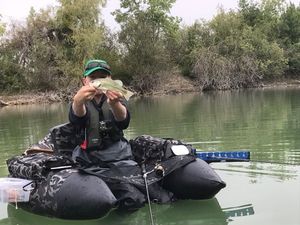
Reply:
x=97 y=74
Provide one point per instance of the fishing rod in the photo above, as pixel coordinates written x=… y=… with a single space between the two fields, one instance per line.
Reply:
x=145 y=174
x=231 y=156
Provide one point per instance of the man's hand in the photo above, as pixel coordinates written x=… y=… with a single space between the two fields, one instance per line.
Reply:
x=119 y=110
x=84 y=94
x=113 y=97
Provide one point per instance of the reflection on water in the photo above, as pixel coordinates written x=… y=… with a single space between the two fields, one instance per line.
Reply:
x=183 y=212
x=243 y=210
x=21 y=126
x=264 y=122
x=273 y=194
x=279 y=172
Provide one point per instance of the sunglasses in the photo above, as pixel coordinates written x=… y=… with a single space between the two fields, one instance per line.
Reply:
x=92 y=65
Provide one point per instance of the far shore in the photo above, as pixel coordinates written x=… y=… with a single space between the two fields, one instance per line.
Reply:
x=53 y=97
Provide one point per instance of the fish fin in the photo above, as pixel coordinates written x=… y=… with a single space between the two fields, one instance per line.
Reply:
x=119 y=82
x=128 y=94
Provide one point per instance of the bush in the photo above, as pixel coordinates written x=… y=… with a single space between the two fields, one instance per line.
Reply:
x=214 y=71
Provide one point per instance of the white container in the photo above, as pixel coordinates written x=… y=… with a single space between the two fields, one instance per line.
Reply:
x=14 y=190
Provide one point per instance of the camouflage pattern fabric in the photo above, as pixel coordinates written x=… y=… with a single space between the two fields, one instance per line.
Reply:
x=146 y=148
x=45 y=143
x=66 y=137
x=35 y=166
x=42 y=199
x=62 y=139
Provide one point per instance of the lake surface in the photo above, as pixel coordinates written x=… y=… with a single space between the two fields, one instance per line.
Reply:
x=264 y=122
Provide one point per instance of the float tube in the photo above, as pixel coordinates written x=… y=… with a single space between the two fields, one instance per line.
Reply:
x=66 y=189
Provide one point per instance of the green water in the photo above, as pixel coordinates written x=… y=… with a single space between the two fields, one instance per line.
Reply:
x=264 y=122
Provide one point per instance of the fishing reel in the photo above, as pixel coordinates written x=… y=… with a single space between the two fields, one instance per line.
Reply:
x=159 y=170
x=105 y=128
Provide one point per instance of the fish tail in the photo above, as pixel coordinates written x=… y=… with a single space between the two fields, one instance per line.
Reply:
x=128 y=94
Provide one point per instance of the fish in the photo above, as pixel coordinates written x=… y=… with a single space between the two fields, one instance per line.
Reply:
x=105 y=84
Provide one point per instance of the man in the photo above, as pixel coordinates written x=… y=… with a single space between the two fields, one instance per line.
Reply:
x=103 y=116
x=105 y=152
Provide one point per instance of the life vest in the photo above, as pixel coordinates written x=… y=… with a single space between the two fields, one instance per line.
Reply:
x=100 y=131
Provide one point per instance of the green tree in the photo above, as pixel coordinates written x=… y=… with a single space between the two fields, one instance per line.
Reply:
x=79 y=33
x=289 y=26
x=250 y=12
x=110 y=50
x=52 y=47
x=271 y=11
x=289 y=37
x=39 y=50
x=264 y=16
x=229 y=53
x=2 y=27
x=190 y=39
x=268 y=54
x=293 y=54
x=33 y=49
x=146 y=25
x=11 y=77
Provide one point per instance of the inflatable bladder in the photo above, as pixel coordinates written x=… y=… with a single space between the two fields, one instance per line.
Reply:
x=196 y=180
x=69 y=194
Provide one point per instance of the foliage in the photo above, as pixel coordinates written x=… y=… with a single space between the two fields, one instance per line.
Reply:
x=79 y=33
x=227 y=53
x=2 y=27
x=38 y=56
x=264 y=17
x=215 y=50
x=12 y=78
x=289 y=26
x=190 y=39
x=214 y=71
x=289 y=37
x=53 y=46
x=269 y=55
x=145 y=28
x=236 y=49
x=293 y=53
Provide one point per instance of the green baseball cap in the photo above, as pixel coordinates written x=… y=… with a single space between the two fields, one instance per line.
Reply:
x=96 y=64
